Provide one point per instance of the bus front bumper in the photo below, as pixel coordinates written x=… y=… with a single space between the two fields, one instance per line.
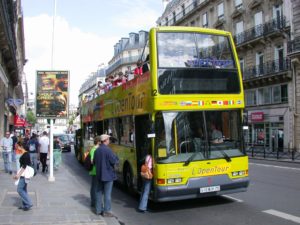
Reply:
x=192 y=188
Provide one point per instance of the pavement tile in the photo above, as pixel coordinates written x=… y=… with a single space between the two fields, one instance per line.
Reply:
x=62 y=202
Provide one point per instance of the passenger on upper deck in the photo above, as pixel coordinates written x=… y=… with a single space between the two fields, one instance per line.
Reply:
x=138 y=70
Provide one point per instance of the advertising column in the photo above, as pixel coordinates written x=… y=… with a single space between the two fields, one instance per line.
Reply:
x=52 y=101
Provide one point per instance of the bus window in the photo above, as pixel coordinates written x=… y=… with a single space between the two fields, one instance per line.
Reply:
x=114 y=130
x=202 y=134
x=127 y=134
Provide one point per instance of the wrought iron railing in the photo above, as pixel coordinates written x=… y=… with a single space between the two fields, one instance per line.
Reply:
x=184 y=13
x=266 y=69
x=294 y=45
x=120 y=62
x=255 y=151
x=261 y=30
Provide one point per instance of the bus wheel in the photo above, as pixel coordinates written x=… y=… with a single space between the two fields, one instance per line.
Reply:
x=128 y=182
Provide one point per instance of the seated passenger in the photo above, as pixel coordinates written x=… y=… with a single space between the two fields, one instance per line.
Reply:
x=138 y=70
x=216 y=135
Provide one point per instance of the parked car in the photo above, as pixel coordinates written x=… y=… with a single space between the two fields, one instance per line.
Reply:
x=64 y=142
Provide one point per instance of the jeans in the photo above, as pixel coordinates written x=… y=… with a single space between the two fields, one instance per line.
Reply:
x=18 y=156
x=145 y=194
x=104 y=188
x=22 y=191
x=7 y=161
x=93 y=190
x=33 y=159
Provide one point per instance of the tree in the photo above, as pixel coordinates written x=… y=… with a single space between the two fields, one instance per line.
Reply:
x=30 y=117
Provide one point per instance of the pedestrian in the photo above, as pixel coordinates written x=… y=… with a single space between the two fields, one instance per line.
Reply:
x=44 y=148
x=22 y=184
x=33 y=146
x=15 y=140
x=146 y=186
x=25 y=141
x=93 y=172
x=105 y=161
x=19 y=151
x=7 y=146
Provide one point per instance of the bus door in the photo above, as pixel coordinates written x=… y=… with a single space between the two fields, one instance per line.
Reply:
x=142 y=142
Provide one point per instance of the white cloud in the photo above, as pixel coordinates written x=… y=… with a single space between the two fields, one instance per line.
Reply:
x=74 y=50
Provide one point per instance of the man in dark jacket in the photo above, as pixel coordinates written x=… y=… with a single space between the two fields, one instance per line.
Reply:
x=104 y=160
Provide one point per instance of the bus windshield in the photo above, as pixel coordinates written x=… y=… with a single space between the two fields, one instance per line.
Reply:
x=195 y=63
x=201 y=135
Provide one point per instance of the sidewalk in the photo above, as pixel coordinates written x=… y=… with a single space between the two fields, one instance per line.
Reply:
x=64 y=201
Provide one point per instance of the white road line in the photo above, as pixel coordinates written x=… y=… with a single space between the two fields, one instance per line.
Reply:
x=283 y=215
x=280 y=167
x=232 y=198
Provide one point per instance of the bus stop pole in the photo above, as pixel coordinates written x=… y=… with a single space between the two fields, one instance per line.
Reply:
x=51 y=178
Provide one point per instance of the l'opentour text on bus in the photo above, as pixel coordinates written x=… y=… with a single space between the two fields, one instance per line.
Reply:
x=187 y=110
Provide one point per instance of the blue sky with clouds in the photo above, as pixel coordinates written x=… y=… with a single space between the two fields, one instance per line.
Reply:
x=85 y=33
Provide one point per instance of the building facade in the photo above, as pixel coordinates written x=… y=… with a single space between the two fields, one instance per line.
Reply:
x=126 y=53
x=294 y=55
x=261 y=31
x=12 y=61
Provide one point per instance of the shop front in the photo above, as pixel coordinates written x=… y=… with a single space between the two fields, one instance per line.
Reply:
x=268 y=129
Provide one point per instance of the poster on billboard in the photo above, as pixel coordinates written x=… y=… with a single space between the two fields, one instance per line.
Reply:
x=52 y=96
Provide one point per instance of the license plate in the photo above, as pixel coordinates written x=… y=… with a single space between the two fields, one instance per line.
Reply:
x=210 y=189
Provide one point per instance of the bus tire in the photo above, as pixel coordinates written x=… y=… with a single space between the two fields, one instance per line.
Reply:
x=128 y=179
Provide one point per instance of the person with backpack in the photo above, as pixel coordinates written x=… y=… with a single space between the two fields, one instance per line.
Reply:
x=33 y=146
x=92 y=172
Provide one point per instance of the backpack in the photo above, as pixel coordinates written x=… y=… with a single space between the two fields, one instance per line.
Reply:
x=32 y=146
x=88 y=162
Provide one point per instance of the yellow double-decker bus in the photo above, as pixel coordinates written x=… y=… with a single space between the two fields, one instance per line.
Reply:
x=186 y=108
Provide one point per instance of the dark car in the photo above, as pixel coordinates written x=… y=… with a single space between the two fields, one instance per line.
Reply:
x=65 y=142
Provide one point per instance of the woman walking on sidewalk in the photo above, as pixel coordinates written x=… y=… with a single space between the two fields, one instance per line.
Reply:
x=22 y=185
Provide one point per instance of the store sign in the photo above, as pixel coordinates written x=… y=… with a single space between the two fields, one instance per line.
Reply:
x=19 y=121
x=257 y=117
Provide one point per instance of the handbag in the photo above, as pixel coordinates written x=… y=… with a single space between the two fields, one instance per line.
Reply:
x=145 y=171
x=28 y=172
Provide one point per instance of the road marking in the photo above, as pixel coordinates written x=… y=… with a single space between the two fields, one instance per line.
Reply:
x=280 y=167
x=232 y=198
x=283 y=215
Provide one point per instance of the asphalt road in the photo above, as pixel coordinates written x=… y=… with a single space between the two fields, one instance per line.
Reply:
x=272 y=198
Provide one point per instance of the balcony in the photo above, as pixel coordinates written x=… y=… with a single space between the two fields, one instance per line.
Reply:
x=120 y=62
x=260 y=33
x=271 y=72
x=294 y=47
x=184 y=14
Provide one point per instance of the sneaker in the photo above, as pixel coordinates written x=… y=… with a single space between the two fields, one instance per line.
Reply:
x=108 y=214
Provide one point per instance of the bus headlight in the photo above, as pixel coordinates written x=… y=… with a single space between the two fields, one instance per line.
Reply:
x=240 y=173
x=174 y=180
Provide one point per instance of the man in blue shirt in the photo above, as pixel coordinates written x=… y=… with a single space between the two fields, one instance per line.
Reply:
x=105 y=161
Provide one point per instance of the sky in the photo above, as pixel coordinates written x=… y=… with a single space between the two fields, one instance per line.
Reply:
x=85 y=32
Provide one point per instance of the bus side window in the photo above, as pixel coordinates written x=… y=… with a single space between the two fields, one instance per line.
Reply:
x=126 y=134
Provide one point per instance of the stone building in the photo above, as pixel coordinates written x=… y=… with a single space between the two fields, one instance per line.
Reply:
x=261 y=31
x=12 y=61
x=294 y=54
x=126 y=53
